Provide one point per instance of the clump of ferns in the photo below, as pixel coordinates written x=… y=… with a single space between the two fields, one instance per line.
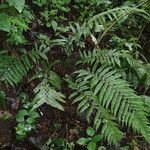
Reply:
x=97 y=27
x=101 y=90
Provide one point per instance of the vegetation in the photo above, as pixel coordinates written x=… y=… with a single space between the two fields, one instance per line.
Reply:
x=75 y=59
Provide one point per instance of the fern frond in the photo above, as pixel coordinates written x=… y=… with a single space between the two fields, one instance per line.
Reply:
x=109 y=129
x=13 y=69
x=114 y=14
x=46 y=94
x=131 y=67
x=106 y=20
x=103 y=93
x=110 y=57
x=146 y=100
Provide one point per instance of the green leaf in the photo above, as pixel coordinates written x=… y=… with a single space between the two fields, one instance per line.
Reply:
x=2 y=98
x=33 y=114
x=55 y=80
x=30 y=120
x=54 y=25
x=125 y=148
x=83 y=141
x=5 y=24
x=102 y=148
x=90 y=131
x=91 y=146
x=46 y=94
x=60 y=142
x=28 y=127
x=18 y=4
x=20 y=115
x=97 y=138
x=20 y=128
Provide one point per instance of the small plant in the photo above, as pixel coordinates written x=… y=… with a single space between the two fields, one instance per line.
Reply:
x=77 y=38
x=14 y=24
x=52 y=10
x=92 y=141
x=26 y=121
x=58 y=144
x=47 y=90
x=5 y=115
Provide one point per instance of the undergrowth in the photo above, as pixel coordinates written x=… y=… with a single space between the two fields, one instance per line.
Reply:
x=99 y=40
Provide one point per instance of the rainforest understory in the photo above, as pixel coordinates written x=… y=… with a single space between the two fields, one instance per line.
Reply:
x=75 y=74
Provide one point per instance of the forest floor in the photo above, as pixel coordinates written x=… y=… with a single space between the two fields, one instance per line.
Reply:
x=68 y=121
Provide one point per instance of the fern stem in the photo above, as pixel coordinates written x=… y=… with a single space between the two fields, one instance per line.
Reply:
x=105 y=32
x=107 y=12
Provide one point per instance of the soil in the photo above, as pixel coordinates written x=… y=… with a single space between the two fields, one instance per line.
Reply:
x=38 y=138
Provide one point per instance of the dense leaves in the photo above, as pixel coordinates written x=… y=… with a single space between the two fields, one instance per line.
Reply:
x=19 y=5
x=93 y=45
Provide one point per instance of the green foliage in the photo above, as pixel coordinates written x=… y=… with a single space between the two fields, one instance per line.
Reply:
x=4 y=22
x=119 y=58
x=58 y=143
x=105 y=21
x=13 y=23
x=46 y=94
x=79 y=33
x=102 y=91
x=115 y=14
x=91 y=141
x=25 y=118
x=5 y=115
x=52 y=16
x=100 y=23
x=25 y=123
x=112 y=71
x=146 y=100
x=120 y=43
x=13 y=69
x=2 y=98
x=19 y=5
x=14 y=26
x=40 y=2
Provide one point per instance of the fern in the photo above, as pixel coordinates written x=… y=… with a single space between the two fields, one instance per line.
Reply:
x=114 y=14
x=76 y=38
x=101 y=90
x=46 y=94
x=100 y=23
x=5 y=24
x=13 y=69
x=111 y=57
x=146 y=100
x=106 y=20
x=123 y=59
x=114 y=57
x=19 y=5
